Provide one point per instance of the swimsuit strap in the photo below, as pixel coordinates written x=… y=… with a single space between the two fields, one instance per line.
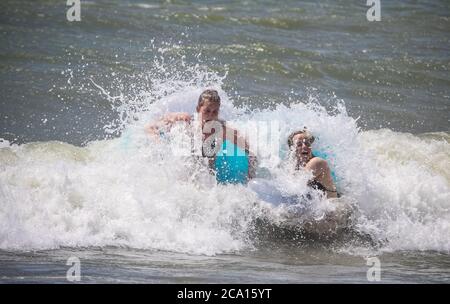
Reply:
x=318 y=186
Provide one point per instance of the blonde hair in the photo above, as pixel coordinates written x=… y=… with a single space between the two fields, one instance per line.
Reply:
x=208 y=95
x=290 y=140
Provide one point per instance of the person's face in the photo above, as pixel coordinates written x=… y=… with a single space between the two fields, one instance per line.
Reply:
x=209 y=111
x=302 y=146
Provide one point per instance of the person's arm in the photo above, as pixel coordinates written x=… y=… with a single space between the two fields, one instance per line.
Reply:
x=322 y=173
x=153 y=129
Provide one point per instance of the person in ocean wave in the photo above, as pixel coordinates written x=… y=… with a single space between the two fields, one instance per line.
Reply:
x=212 y=127
x=299 y=143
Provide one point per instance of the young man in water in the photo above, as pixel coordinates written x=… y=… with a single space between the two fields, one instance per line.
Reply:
x=299 y=143
x=214 y=130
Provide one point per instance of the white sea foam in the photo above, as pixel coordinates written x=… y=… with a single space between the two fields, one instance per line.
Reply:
x=131 y=191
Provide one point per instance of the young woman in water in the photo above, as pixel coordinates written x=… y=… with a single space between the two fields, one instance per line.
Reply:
x=299 y=143
x=208 y=108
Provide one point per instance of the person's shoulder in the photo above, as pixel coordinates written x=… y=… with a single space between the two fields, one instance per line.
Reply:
x=318 y=160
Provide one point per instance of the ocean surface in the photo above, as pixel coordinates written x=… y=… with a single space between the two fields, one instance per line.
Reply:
x=80 y=179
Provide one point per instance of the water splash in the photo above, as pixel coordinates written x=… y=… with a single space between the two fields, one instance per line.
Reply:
x=130 y=191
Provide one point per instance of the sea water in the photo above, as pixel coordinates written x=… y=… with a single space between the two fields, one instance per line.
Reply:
x=80 y=178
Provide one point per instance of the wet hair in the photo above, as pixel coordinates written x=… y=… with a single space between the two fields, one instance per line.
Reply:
x=208 y=95
x=290 y=140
